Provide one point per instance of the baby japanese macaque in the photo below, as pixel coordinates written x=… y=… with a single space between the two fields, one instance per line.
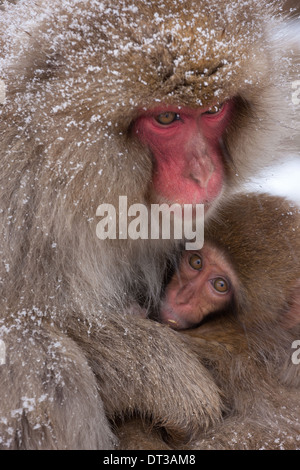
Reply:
x=242 y=291
x=221 y=276
x=204 y=283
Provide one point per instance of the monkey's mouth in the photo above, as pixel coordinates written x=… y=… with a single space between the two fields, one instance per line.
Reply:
x=176 y=320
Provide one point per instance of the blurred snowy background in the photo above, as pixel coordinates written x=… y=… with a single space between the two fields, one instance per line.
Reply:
x=282 y=180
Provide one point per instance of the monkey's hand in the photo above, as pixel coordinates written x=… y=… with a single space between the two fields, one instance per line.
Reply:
x=147 y=368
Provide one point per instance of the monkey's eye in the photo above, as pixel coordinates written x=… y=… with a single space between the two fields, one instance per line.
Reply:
x=195 y=262
x=215 y=109
x=167 y=118
x=220 y=285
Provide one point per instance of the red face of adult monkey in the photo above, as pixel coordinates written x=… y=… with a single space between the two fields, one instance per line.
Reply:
x=185 y=143
x=104 y=101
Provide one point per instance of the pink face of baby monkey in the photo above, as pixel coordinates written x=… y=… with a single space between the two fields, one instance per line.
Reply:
x=203 y=284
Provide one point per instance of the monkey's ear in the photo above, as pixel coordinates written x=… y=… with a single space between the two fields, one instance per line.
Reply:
x=292 y=317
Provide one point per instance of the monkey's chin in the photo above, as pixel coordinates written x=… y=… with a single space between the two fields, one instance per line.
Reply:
x=210 y=207
x=174 y=320
x=192 y=198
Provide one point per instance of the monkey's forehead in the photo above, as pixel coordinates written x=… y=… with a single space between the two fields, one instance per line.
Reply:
x=190 y=53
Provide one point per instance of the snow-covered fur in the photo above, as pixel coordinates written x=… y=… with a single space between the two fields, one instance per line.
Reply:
x=76 y=74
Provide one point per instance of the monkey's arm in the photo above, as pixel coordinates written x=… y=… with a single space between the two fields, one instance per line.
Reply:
x=154 y=373
x=260 y=413
x=49 y=396
x=262 y=407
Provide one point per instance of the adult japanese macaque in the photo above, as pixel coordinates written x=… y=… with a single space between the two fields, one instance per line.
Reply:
x=253 y=258
x=160 y=102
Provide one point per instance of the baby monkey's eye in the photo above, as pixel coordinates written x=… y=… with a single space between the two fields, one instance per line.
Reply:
x=195 y=262
x=167 y=118
x=220 y=285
